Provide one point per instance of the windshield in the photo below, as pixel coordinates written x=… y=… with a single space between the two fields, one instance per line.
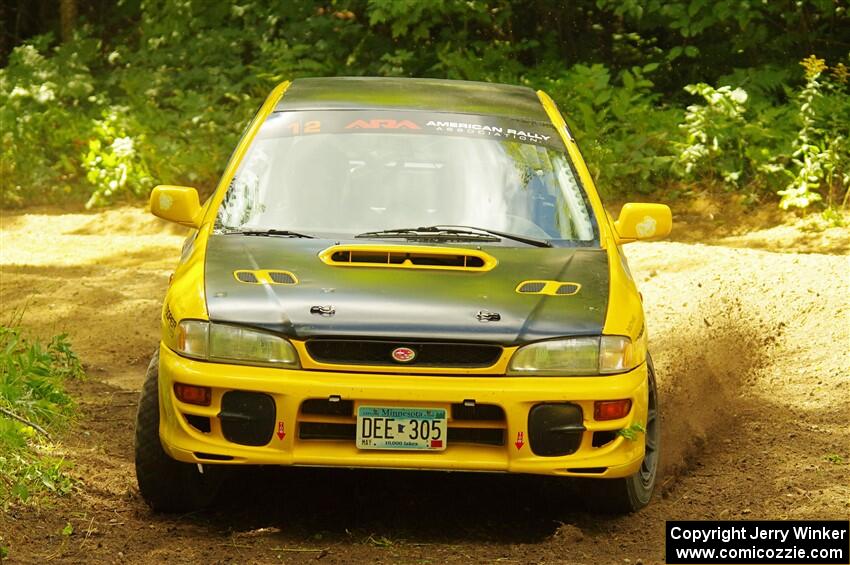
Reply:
x=343 y=173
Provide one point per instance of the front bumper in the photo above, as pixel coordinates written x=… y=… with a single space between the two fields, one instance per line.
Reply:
x=289 y=445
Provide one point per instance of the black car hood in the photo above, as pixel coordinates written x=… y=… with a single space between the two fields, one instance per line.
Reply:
x=405 y=303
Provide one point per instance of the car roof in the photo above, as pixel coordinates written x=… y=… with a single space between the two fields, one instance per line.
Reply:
x=424 y=94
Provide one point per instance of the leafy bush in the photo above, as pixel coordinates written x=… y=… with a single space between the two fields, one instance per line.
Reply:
x=713 y=142
x=159 y=90
x=624 y=131
x=46 y=99
x=33 y=402
x=750 y=145
x=821 y=146
x=113 y=162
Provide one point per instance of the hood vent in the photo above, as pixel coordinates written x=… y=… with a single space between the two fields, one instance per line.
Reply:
x=551 y=288
x=408 y=257
x=531 y=287
x=246 y=277
x=265 y=277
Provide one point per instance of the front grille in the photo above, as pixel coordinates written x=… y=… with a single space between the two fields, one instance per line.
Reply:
x=483 y=436
x=324 y=407
x=480 y=424
x=478 y=412
x=428 y=354
x=326 y=430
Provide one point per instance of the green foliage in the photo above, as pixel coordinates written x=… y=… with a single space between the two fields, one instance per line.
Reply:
x=821 y=149
x=631 y=433
x=46 y=96
x=159 y=90
x=713 y=143
x=113 y=162
x=624 y=133
x=702 y=38
x=32 y=380
x=746 y=145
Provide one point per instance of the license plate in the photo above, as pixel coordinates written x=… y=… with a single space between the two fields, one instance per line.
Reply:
x=385 y=427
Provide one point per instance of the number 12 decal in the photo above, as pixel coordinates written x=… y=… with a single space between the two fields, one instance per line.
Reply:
x=314 y=126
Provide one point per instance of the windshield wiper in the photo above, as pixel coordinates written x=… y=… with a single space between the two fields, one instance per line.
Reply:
x=432 y=233
x=520 y=238
x=452 y=231
x=271 y=232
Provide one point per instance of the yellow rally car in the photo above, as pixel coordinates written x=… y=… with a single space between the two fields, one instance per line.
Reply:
x=407 y=274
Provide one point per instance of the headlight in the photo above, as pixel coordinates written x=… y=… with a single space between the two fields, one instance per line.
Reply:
x=617 y=354
x=222 y=342
x=595 y=355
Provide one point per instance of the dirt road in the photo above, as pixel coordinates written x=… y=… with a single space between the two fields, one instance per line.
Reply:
x=752 y=348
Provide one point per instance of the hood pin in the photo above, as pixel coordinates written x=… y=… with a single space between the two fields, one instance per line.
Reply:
x=485 y=316
x=322 y=310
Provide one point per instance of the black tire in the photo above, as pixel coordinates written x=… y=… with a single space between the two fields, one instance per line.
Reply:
x=165 y=484
x=630 y=494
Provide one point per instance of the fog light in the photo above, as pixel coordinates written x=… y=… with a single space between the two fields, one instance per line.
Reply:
x=611 y=409
x=191 y=394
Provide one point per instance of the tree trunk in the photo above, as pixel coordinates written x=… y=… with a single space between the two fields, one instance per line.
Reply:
x=68 y=17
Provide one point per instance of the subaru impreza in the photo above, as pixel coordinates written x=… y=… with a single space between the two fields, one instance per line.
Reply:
x=405 y=274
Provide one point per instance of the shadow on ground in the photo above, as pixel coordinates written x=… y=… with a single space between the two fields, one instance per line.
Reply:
x=389 y=505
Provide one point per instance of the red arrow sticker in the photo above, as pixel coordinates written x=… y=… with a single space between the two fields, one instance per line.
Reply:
x=280 y=433
x=519 y=440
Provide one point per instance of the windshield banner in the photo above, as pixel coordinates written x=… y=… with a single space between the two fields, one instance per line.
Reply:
x=297 y=123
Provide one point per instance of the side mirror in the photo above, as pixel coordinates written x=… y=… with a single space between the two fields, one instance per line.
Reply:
x=643 y=222
x=179 y=204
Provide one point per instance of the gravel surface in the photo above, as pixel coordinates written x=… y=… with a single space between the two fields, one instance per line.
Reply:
x=752 y=349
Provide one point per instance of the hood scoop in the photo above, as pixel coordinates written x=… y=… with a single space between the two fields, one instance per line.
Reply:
x=408 y=257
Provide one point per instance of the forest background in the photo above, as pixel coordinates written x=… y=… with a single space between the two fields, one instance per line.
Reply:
x=100 y=100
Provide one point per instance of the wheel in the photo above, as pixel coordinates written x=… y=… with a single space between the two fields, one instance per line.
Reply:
x=630 y=494
x=165 y=484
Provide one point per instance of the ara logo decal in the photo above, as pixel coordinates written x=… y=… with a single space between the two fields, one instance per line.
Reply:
x=382 y=124
x=403 y=354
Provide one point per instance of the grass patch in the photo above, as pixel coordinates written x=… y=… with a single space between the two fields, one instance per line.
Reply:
x=33 y=407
